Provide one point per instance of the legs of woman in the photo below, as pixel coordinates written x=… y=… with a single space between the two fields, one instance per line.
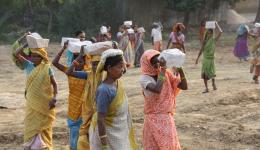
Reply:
x=214 y=84
x=257 y=73
x=206 y=86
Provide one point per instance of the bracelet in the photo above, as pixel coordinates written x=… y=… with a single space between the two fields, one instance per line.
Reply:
x=103 y=136
x=161 y=78
x=75 y=63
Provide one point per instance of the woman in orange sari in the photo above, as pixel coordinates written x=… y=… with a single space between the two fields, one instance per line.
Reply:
x=160 y=88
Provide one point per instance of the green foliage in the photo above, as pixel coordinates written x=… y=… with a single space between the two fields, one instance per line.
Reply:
x=194 y=5
x=54 y=17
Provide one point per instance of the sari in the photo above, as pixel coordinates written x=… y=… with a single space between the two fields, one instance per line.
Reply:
x=119 y=129
x=208 y=63
x=75 y=101
x=38 y=117
x=126 y=46
x=139 y=49
x=87 y=112
x=159 y=130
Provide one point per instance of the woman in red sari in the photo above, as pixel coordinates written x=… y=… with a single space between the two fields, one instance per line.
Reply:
x=160 y=88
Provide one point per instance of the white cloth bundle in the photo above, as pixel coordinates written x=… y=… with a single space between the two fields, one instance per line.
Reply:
x=141 y=30
x=128 y=23
x=103 y=30
x=257 y=25
x=173 y=57
x=65 y=39
x=97 y=48
x=130 y=31
x=34 y=40
x=210 y=25
x=75 y=47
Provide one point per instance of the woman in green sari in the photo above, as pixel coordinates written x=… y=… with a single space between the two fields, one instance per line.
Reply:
x=208 y=64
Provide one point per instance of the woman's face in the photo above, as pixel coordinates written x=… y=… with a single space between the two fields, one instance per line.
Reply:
x=36 y=58
x=116 y=71
x=155 y=62
x=210 y=33
x=82 y=36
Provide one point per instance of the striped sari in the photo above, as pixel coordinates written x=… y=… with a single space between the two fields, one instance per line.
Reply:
x=38 y=117
x=118 y=123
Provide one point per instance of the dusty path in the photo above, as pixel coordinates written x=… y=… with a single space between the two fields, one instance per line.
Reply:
x=226 y=119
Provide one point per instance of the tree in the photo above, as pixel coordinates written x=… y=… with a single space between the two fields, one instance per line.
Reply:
x=257 y=18
x=190 y=6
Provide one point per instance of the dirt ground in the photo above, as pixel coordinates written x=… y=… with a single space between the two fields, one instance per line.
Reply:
x=226 y=119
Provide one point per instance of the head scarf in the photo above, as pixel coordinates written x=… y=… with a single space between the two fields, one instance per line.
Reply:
x=42 y=52
x=146 y=66
x=177 y=27
x=242 y=29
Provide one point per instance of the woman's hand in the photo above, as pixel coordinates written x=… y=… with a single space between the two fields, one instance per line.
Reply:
x=162 y=62
x=81 y=53
x=52 y=103
x=65 y=46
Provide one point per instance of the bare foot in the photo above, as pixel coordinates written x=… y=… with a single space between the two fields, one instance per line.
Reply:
x=214 y=87
x=206 y=91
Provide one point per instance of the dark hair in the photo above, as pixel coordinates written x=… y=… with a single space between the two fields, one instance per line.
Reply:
x=78 y=33
x=113 y=61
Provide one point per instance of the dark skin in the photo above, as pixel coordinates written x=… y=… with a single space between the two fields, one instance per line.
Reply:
x=113 y=73
x=36 y=59
x=208 y=36
x=62 y=67
x=80 y=60
x=170 y=40
x=156 y=88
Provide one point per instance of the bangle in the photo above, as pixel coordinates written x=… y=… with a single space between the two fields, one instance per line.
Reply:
x=103 y=136
x=161 y=78
x=75 y=63
x=183 y=78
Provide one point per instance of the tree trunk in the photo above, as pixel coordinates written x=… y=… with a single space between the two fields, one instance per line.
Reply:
x=186 y=20
x=50 y=21
x=257 y=19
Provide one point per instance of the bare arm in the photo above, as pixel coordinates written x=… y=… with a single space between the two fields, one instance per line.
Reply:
x=200 y=52
x=183 y=84
x=55 y=92
x=256 y=46
x=169 y=42
x=70 y=71
x=56 y=60
x=18 y=52
x=102 y=128
x=219 y=32
x=156 y=88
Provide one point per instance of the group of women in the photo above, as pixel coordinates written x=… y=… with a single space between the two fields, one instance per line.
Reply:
x=98 y=116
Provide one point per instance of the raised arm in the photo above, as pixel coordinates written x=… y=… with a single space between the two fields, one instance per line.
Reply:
x=156 y=88
x=219 y=32
x=56 y=60
x=77 y=74
x=18 y=52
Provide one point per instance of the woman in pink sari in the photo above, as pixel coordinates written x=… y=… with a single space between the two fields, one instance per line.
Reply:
x=160 y=88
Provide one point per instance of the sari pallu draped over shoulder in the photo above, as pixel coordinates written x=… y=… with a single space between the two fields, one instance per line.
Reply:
x=120 y=133
x=87 y=111
x=38 y=116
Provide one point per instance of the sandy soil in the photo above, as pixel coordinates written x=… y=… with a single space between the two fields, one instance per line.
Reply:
x=226 y=119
